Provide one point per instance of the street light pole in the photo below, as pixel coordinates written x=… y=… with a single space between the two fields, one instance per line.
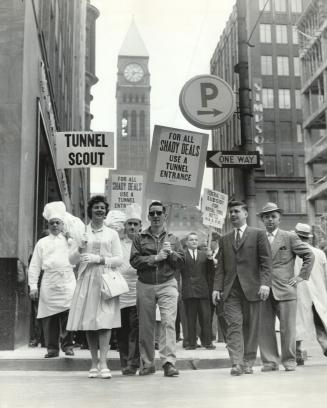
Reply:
x=245 y=108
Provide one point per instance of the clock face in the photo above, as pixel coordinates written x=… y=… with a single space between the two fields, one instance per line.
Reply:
x=133 y=72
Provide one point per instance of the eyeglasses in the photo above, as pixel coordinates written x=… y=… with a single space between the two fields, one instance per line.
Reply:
x=54 y=222
x=135 y=224
x=153 y=213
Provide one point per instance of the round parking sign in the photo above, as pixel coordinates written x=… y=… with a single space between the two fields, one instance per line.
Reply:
x=207 y=101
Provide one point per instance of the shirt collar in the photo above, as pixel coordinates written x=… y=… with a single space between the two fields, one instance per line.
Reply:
x=273 y=233
x=242 y=228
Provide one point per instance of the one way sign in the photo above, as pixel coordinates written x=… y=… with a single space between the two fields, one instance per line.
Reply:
x=232 y=159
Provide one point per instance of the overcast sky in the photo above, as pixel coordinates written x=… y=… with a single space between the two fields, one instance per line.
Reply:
x=180 y=36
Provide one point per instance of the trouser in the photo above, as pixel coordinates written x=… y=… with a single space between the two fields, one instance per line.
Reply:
x=54 y=329
x=166 y=295
x=194 y=308
x=321 y=333
x=128 y=338
x=285 y=310
x=221 y=322
x=242 y=319
x=36 y=333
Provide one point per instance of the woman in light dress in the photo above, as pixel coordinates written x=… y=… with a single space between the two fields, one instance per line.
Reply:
x=99 y=248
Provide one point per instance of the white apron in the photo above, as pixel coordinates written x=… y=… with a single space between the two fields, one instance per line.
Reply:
x=57 y=290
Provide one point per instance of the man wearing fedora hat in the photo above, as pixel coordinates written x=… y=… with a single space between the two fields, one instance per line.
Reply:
x=311 y=314
x=285 y=246
x=243 y=278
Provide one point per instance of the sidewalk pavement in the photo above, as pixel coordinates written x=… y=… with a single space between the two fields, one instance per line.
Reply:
x=32 y=359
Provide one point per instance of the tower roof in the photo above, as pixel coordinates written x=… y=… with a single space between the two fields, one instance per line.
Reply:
x=133 y=44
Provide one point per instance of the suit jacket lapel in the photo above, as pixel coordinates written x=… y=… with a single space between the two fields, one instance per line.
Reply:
x=231 y=239
x=245 y=234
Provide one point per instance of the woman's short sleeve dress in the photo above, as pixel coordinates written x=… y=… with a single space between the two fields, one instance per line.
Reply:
x=89 y=311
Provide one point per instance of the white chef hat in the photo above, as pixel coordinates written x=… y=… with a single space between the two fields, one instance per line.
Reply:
x=55 y=209
x=133 y=211
x=115 y=219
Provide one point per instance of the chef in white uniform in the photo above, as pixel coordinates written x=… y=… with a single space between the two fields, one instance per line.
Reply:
x=58 y=282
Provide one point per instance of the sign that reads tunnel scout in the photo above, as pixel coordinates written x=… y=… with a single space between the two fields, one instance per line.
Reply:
x=85 y=149
x=176 y=165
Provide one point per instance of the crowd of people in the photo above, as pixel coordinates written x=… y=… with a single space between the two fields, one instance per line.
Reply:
x=245 y=278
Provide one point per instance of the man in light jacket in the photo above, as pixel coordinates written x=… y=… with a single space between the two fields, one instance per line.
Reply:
x=285 y=246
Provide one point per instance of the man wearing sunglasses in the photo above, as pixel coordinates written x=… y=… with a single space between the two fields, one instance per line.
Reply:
x=156 y=254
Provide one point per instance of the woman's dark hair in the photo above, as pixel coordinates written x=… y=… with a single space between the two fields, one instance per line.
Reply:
x=94 y=200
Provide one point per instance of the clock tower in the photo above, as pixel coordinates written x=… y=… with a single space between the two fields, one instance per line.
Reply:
x=133 y=103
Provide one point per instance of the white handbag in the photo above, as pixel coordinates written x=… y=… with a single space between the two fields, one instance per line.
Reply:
x=113 y=284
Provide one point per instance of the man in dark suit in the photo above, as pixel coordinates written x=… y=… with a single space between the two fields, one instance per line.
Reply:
x=243 y=278
x=195 y=291
x=285 y=246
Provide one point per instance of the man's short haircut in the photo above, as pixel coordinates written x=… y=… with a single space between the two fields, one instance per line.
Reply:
x=157 y=203
x=235 y=203
x=191 y=233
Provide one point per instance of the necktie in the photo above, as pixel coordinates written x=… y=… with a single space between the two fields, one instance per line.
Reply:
x=238 y=238
x=270 y=238
x=194 y=258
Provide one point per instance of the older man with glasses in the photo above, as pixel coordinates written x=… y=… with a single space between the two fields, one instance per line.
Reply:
x=156 y=254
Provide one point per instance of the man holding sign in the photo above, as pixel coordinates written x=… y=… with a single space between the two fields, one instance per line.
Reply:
x=156 y=254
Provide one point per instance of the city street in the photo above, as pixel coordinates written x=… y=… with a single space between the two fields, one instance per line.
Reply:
x=198 y=388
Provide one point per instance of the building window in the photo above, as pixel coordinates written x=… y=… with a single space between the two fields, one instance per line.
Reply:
x=282 y=66
x=124 y=125
x=285 y=131
x=289 y=201
x=295 y=35
x=296 y=66
x=301 y=169
x=269 y=132
x=265 y=33
x=280 y=6
x=133 y=124
x=299 y=133
x=142 y=125
x=281 y=34
x=264 y=5
x=303 y=203
x=272 y=196
x=296 y=6
x=287 y=166
x=284 y=99
x=268 y=97
x=266 y=65
x=298 y=99
x=270 y=165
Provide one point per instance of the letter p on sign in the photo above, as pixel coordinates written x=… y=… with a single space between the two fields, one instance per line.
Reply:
x=209 y=91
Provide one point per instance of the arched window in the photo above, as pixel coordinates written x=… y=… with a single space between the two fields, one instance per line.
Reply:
x=124 y=124
x=142 y=125
x=133 y=124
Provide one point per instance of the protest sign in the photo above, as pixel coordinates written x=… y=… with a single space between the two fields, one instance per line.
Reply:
x=85 y=149
x=125 y=189
x=176 y=165
x=214 y=208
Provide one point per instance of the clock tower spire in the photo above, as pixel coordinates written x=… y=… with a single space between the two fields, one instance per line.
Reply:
x=133 y=103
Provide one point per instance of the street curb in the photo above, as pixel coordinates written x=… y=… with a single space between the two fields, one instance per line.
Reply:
x=83 y=364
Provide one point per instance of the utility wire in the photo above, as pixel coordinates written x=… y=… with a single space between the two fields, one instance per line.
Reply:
x=256 y=23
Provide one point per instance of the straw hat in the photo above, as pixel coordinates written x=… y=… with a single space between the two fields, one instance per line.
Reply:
x=270 y=207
